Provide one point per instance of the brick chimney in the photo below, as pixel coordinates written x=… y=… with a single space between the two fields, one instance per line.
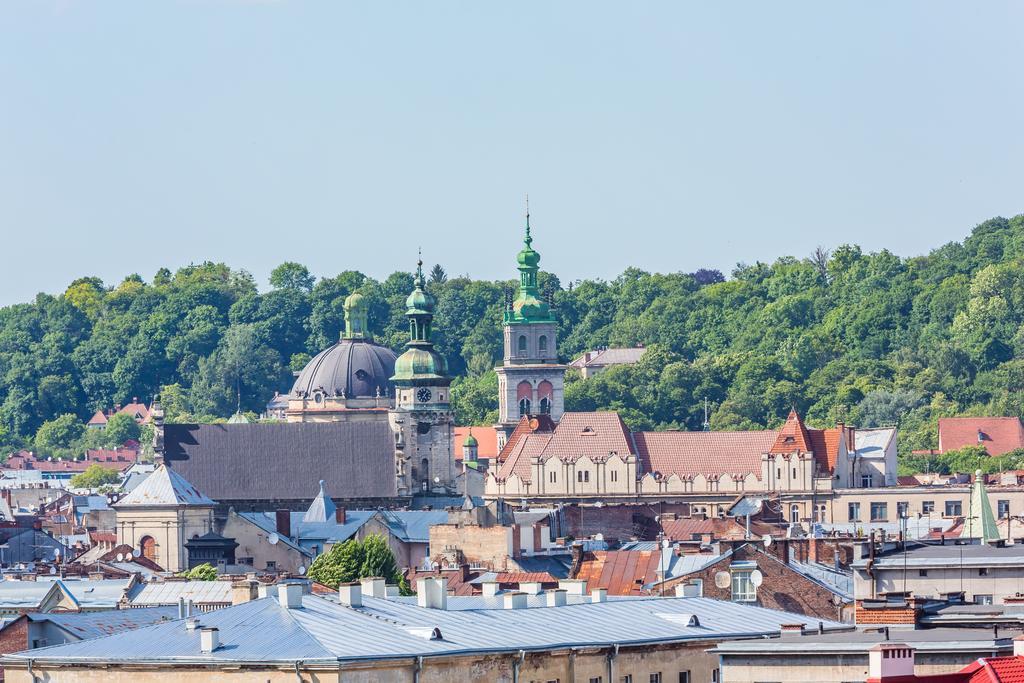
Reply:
x=339 y=514
x=283 y=522
x=243 y=591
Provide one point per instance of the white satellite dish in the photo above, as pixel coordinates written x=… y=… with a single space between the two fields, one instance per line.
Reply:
x=120 y=557
x=756 y=578
x=665 y=543
x=302 y=571
x=722 y=579
x=136 y=552
x=273 y=538
x=767 y=540
x=598 y=537
x=53 y=570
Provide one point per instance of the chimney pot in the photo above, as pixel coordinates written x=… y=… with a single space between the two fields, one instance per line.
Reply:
x=530 y=587
x=489 y=588
x=432 y=592
x=556 y=598
x=599 y=595
x=265 y=590
x=339 y=514
x=573 y=586
x=283 y=522
x=888 y=661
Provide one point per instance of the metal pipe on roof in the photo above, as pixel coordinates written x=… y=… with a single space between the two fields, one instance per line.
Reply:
x=516 y=663
x=298 y=674
x=612 y=654
x=417 y=665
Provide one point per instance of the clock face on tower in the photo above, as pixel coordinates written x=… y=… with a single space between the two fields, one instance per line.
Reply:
x=423 y=395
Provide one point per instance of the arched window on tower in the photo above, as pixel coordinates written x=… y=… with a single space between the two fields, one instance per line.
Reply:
x=522 y=345
x=545 y=395
x=425 y=473
x=524 y=406
x=542 y=343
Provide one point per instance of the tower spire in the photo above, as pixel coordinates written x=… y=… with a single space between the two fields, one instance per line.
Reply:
x=528 y=240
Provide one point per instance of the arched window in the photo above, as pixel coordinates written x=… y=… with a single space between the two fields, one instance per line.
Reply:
x=522 y=345
x=524 y=406
x=147 y=546
x=545 y=406
x=794 y=514
x=542 y=343
x=545 y=394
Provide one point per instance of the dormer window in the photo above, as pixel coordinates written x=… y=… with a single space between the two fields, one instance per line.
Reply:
x=588 y=430
x=789 y=439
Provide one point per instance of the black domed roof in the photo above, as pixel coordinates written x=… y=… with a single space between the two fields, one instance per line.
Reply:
x=357 y=367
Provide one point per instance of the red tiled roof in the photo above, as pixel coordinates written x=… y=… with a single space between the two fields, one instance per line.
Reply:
x=594 y=435
x=137 y=410
x=622 y=572
x=527 y=425
x=692 y=453
x=1000 y=670
x=98 y=418
x=824 y=443
x=998 y=435
x=692 y=528
x=908 y=481
x=121 y=456
x=486 y=441
x=525 y=577
x=793 y=436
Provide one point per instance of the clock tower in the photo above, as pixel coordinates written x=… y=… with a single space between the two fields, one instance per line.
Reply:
x=422 y=418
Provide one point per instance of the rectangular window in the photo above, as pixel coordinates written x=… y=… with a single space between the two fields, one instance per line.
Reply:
x=954 y=508
x=866 y=480
x=983 y=571
x=902 y=510
x=743 y=589
x=615 y=475
x=927 y=507
x=982 y=599
x=879 y=512
x=854 y=510
x=628 y=678
x=579 y=477
x=552 y=477
x=271 y=564
x=1003 y=506
x=922 y=572
x=684 y=677
x=656 y=678
x=595 y=679
x=586 y=476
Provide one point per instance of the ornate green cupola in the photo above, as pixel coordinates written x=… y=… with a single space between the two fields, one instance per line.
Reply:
x=356 y=310
x=528 y=306
x=420 y=364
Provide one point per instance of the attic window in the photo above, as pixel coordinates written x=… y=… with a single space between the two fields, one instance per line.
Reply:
x=588 y=430
x=790 y=439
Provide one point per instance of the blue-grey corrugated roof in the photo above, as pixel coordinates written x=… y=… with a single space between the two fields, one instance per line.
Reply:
x=85 y=625
x=413 y=526
x=324 y=632
x=89 y=594
x=168 y=592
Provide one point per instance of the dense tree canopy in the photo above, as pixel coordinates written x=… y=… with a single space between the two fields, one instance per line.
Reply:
x=871 y=338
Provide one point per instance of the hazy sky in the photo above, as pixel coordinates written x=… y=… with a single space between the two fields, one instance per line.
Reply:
x=668 y=136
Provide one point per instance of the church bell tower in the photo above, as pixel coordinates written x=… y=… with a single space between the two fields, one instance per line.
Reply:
x=530 y=379
x=422 y=418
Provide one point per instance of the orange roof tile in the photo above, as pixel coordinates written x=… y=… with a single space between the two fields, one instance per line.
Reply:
x=998 y=435
x=692 y=453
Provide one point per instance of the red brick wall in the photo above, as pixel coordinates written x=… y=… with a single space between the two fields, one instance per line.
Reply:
x=617 y=522
x=14 y=638
x=783 y=588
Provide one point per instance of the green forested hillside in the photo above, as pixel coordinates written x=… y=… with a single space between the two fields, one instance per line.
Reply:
x=869 y=338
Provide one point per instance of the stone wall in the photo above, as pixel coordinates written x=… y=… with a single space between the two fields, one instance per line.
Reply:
x=483 y=546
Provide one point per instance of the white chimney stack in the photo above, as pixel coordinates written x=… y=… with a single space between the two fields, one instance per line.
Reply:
x=530 y=587
x=374 y=587
x=573 y=586
x=489 y=588
x=599 y=595
x=350 y=594
x=556 y=598
x=890 y=661
x=432 y=593
x=209 y=639
x=1018 y=646
x=290 y=595
x=265 y=590
x=515 y=600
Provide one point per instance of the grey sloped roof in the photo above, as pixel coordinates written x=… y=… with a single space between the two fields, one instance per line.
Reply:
x=322 y=509
x=168 y=592
x=284 y=461
x=322 y=632
x=85 y=625
x=357 y=367
x=164 y=487
x=413 y=526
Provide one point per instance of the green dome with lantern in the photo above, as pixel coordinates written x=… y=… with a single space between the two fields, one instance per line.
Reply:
x=470 y=439
x=528 y=306
x=420 y=364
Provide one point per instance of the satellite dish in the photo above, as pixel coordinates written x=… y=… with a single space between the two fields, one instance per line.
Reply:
x=120 y=557
x=598 y=537
x=767 y=540
x=136 y=552
x=302 y=571
x=722 y=579
x=756 y=578
x=53 y=570
x=665 y=543
x=273 y=538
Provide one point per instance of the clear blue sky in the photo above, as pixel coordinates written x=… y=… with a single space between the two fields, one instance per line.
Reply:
x=669 y=136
